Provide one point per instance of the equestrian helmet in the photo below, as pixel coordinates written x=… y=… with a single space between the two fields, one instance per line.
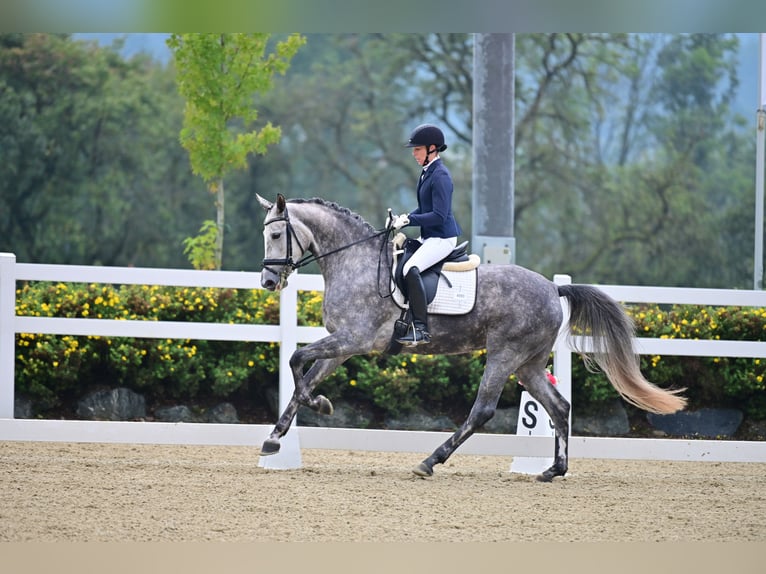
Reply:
x=426 y=135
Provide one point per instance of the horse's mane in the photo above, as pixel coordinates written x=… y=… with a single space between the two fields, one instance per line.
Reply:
x=343 y=211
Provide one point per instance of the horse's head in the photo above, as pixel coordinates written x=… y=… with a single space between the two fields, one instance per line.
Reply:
x=282 y=246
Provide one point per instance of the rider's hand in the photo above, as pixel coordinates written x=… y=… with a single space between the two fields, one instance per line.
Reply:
x=390 y=219
x=400 y=221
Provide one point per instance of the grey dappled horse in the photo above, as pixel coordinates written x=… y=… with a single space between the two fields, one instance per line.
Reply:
x=516 y=318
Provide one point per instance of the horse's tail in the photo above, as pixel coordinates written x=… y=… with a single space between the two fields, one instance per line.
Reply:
x=594 y=313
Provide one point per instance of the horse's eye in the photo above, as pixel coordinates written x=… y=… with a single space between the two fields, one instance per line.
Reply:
x=276 y=235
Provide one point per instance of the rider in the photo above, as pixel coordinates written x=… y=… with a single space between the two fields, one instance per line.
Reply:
x=438 y=228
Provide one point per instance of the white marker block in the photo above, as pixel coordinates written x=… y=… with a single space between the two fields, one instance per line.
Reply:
x=533 y=421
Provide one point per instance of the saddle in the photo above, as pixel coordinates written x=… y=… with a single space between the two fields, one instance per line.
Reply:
x=450 y=284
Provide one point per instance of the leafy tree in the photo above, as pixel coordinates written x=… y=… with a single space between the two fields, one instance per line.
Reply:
x=617 y=138
x=619 y=162
x=91 y=173
x=219 y=74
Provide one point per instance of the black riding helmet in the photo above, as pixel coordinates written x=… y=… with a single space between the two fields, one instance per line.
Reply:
x=427 y=135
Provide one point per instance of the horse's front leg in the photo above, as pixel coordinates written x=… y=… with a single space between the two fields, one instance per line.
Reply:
x=327 y=354
x=302 y=396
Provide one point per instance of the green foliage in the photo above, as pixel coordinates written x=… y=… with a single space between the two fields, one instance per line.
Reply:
x=219 y=75
x=201 y=249
x=630 y=166
x=56 y=370
x=710 y=381
x=91 y=170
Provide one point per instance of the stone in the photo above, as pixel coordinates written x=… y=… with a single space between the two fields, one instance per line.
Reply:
x=224 y=413
x=22 y=408
x=707 y=423
x=505 y=421
x=175 y=414
x=112 y=405
x=345 y=415
x=420 y=420
x=611 y=420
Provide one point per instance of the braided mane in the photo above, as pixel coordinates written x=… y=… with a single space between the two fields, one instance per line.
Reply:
x=343 y=211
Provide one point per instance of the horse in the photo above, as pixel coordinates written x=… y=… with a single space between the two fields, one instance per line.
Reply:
x=516 y=318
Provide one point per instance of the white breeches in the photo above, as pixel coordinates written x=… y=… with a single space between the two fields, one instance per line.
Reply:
x=433 y=250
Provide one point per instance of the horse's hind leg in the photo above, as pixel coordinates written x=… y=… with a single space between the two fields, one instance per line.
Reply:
x=537 y=384
x=496 y=374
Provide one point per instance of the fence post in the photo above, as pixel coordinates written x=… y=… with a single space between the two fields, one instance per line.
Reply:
x=289 y=455
x=562 y=354
x=7 y=333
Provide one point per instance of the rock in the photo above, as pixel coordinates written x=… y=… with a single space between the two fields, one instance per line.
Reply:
x=420 y=420
x=113 y=405
x=505 y=421
x=707 y=423
x=22 y=408
x=175 y=414
x=754 y=430
x=345 y=415
x=611 y=420
x=225 y=413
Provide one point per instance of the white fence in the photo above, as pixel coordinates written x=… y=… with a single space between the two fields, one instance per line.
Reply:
x=290 y=335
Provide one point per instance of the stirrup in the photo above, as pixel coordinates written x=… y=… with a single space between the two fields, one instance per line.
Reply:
x=415 y=336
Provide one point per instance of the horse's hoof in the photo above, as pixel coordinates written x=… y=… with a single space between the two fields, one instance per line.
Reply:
x=423 y=470
x=550 y=474
x=270 y=446
x=325 y=406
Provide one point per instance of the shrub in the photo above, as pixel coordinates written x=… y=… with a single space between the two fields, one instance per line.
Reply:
x=55 y=370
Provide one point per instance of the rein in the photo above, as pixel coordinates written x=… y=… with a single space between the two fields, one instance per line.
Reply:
x=289 y=265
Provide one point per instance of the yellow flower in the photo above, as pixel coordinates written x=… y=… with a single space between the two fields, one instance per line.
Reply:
x=352 y=382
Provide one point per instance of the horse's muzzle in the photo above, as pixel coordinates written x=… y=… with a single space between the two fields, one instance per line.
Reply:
x=271 y=281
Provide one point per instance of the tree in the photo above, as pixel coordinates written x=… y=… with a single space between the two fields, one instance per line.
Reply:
x=617 y=138
x=92 y=172
x=218 y=75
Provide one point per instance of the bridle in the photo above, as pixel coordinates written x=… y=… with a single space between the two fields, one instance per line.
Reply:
x=287 y=264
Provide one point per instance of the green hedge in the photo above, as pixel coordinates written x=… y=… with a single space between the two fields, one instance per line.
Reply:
x=55 y=371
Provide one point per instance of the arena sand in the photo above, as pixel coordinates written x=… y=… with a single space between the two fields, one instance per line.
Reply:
x=60 y=492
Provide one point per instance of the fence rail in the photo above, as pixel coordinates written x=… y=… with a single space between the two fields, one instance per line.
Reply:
x=289 y=335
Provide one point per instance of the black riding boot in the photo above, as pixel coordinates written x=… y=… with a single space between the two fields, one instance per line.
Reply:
x=417 y=333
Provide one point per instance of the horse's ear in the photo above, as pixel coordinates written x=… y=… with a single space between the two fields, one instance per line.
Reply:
x=267 y=205
x=281 y=203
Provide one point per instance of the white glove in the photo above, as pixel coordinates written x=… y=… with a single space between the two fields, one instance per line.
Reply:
x=400 y=221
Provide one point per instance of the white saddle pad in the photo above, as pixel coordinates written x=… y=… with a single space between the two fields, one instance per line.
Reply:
x=455 y=293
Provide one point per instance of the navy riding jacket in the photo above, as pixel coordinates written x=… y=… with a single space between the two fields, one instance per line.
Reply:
x=434 y=213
